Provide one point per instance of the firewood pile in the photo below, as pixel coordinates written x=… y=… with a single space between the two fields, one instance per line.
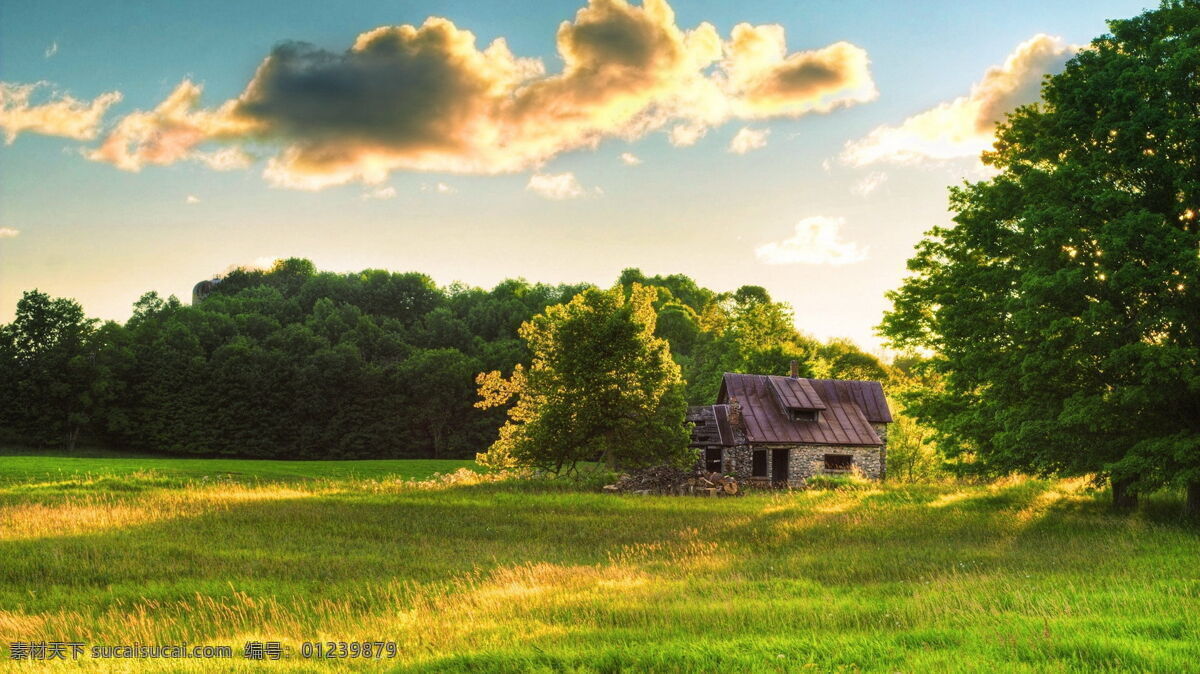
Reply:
x=670 y=481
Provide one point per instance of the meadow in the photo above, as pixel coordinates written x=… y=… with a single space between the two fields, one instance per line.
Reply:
x=476 y=574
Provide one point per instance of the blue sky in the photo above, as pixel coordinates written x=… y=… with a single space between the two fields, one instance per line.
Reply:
x=87 y=229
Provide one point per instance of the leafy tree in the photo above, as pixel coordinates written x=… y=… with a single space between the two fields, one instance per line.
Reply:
x=49 y=378
x=440 y=403
x=842 y=359
x=1064 y=304
x=912 y=456
x=600 y=386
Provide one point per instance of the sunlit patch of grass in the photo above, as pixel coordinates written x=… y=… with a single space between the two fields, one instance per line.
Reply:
x=948 y=499
x=481 y=573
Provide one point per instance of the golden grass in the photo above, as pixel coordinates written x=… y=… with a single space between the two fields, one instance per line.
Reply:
x=471 y=573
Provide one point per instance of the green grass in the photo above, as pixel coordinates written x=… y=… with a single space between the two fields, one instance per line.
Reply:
x=477 y=575
x=34 y=467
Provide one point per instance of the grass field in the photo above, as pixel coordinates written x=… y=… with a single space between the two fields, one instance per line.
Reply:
x=1022 y=575
x=50 y=469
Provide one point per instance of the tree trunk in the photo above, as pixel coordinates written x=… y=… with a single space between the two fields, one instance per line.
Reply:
x=1124 y=498
x=1191 y=507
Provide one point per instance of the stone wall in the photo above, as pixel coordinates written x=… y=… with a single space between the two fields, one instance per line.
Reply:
x=882 y=431
x=737 y=462
x=804 y=461
x=808 y=460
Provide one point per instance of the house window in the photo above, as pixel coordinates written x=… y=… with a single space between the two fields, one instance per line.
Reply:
x=804 y=415
x=838 y=461
x=758 y=463
x=712 y=459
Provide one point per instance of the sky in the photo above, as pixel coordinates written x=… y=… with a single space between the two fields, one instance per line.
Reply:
x=801 y=146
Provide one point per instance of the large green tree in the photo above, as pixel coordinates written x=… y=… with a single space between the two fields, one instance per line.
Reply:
x=600 y=386
x=50 y=380
x=1064 y=305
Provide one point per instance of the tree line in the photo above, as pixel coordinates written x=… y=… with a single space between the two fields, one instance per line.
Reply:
x=292 y=362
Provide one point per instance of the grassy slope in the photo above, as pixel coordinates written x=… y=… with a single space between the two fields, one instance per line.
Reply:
x=1025 y=576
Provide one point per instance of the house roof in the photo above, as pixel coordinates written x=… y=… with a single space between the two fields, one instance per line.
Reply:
x=846 y=409
x=711 y=425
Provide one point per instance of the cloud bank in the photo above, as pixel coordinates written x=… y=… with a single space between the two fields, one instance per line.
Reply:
x=61 y=115
x=966 y=126
x=427 y=98
x=816 y=241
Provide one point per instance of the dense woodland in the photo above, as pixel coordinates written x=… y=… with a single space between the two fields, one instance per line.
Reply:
x=292 y=362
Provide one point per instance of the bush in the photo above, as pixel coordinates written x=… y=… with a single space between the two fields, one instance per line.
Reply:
x=853 y=481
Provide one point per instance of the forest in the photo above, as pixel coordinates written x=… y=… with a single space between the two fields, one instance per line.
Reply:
x=292 y=362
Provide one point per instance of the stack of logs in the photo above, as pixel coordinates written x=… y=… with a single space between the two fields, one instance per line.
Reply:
x=674 y=482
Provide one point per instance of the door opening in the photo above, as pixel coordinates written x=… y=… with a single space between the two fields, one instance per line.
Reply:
x=779 y=465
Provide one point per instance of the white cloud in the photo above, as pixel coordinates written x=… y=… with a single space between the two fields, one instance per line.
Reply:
x=815 y=242
x=225 y=159
x=388 y=192
x=630 y=159
x=191 y=199
x=8 y=232
x=965 y=127
x=61 y=115
x=440 y=188
x=748 y=139
x=556 y=185
x=686 y=135
x=52 y=49
x=869 y=183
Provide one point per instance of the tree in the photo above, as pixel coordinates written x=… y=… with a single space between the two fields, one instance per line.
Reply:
x=439 y=405
x=600 y=386
x=50 y=379
x=1063 y=306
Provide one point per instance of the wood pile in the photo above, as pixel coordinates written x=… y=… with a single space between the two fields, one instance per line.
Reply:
x=670 y=481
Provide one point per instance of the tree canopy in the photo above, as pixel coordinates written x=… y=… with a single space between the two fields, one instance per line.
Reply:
x=600 y=387
x=1064 y=304
x=292 y=362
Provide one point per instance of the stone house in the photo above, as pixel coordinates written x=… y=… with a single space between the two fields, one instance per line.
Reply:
x=783 y=430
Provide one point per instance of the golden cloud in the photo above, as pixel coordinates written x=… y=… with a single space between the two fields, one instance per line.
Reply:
x=171 y=132
x=60 y=116
x=965 y=127
x=767 y=82
x=428 y=99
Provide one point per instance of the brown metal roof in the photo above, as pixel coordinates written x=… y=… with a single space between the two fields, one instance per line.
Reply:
x=795 y=394
x=711 y=425
x=849 y=408
x=868 y=395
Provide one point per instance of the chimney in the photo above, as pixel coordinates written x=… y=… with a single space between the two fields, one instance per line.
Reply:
x=795 y=370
